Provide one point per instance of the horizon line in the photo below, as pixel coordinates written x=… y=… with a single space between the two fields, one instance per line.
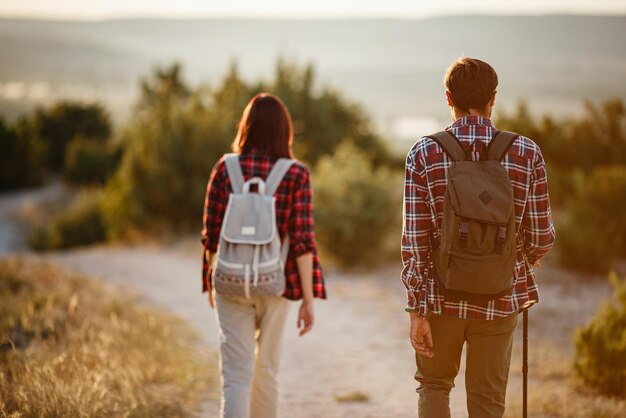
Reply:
x=184 y=17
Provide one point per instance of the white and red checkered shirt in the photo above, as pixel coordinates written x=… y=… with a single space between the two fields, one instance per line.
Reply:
x=424 y=187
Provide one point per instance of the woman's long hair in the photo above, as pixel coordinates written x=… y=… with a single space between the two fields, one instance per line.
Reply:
x=265 y=126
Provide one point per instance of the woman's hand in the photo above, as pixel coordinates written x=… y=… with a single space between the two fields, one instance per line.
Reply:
x=305 y=317
x=209 y=256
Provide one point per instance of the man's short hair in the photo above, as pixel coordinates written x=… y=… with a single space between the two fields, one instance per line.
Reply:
x=471 y=83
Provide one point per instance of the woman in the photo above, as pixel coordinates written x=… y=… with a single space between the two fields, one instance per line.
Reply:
x=249 y=381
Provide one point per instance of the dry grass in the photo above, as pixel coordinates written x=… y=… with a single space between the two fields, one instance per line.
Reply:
x=355 y=396
x=554 y=390
x=71 y=347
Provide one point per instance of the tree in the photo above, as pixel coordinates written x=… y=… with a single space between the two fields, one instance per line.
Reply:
x=58 y=125
x=171 y=142
x=322 y=120
x=21 y=160
x=177 y=133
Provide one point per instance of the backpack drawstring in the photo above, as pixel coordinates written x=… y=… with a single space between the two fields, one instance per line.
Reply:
x=246 y=281
x=255 y=264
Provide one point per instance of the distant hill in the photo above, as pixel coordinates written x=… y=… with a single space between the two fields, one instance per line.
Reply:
x=393 y=67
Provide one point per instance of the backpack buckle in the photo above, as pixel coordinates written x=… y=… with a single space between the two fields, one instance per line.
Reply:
x=501 y=239
x=463 y=230
x=501 y=234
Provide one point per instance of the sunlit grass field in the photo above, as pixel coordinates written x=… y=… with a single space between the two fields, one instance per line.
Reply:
x=554 y=389
x=72 y=347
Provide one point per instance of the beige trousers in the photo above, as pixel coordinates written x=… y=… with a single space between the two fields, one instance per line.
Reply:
x=251 y=332
x=487 y=365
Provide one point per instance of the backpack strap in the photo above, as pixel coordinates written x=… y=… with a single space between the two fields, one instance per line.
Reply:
x=450 y=144
x=276 y=175
x=233 y=169
x=284 y=250
x=280 y=168
x=500 y=144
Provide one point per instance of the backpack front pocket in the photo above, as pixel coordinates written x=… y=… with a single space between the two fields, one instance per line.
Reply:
x=487 y=275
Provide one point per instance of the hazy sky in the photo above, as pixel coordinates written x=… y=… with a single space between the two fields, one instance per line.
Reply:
x=99 y=9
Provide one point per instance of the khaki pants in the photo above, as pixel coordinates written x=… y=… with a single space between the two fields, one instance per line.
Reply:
x=487 y=369
x=249 y=327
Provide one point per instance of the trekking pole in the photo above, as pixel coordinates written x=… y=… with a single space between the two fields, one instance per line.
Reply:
x=524 y=311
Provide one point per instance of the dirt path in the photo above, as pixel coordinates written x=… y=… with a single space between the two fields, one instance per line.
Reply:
x=11 y=238
x=359 y=343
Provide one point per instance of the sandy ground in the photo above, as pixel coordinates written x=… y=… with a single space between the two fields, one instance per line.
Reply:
x=359 y=343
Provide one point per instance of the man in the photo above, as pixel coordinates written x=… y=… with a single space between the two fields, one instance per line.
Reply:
x=441 y=321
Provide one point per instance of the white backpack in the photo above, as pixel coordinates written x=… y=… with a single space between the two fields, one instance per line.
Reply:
x=250 y=259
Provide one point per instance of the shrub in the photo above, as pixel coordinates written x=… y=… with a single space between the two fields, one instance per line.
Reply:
x=592 y=234
x=169 y=149
x=71 y=347
x=36 y=145
x=562 y=185
x=322 y=119
x=58 y=125
x=177 y=133
x=89 y=162
x=584 y=143
x=356 y=206
x=601 y=346
x=595 y=139
x=81 y=224
x=21 y=159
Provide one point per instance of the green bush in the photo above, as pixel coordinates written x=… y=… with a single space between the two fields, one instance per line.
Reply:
x=89 y=162
x=595 y=139
x=169 y=149
x=576 y=144
x=592 y=234
x=57 y=125
x=21 y=158
x=322 y=119
x=562 y=185
x=601 y=346
x=36 y=145
x=81 y=224
x=177 y=134
x=357 y=207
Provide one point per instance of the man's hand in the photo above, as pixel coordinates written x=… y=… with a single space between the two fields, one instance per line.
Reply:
x=211 y=299
x=305 y=317
x=420 y=335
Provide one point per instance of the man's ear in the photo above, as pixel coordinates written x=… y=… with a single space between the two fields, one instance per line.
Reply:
x=449 y=98
x=493 y=99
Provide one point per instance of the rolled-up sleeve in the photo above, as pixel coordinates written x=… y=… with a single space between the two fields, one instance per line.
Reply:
x=301 y=223
x=537 y=225
x=416 y=232
x=214 y=208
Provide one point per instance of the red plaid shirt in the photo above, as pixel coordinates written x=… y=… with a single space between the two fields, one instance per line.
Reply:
x=424 y=187
x=294 y=212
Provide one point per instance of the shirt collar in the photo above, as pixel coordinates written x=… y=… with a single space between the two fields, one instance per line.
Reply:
x=472 y=120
